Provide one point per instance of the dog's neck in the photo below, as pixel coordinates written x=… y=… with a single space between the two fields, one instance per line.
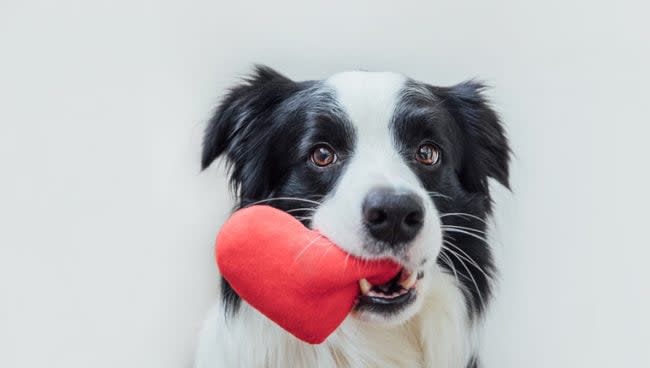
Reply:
x=438 y=336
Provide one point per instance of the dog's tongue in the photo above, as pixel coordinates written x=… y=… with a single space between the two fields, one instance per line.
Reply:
x=294 y=276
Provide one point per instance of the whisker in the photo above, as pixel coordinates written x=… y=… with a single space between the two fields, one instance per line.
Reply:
x=438 y=194
x=450 y=263
x=463 y=228
x=459 y=272
x=345 y=264
x=469 y=259
x=453 y=230
x=322 y=255
x=307 y=246
x=329 y=247
x=478 y=291
x=447 y=236
x=463 y=215
x=284 y=199
x=300 y=209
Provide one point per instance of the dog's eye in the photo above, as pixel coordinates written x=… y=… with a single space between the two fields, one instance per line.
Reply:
x=323 y=155
x=427 y=154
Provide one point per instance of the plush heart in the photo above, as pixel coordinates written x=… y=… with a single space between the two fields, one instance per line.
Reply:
x=294 y=276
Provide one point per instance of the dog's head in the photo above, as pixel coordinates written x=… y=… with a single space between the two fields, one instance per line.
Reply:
x=382 y=165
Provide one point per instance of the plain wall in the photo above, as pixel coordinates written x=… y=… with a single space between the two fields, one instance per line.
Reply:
x=107 y=224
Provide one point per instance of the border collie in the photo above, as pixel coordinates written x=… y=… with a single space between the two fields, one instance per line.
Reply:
x=385 y=167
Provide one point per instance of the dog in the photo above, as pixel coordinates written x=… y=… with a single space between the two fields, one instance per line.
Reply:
x=385 y=167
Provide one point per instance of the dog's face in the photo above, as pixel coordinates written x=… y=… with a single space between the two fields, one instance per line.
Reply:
x=384 y=166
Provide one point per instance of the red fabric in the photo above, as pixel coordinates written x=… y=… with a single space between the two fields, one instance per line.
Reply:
x=294 y=276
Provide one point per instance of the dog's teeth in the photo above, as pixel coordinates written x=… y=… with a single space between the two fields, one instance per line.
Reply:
x=410 y=281
x=365 y=286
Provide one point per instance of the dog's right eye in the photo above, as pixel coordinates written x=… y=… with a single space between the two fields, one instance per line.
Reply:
x=323 y=155
x=428 y=154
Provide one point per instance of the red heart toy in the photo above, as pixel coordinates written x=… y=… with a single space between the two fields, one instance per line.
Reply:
x=294 y=276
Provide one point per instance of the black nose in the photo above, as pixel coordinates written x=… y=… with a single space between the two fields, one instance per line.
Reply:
x=391 y=216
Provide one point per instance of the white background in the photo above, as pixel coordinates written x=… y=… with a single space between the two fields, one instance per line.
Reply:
x=107 y=223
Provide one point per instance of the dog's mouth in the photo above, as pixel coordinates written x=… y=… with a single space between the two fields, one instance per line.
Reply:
x=391 y=297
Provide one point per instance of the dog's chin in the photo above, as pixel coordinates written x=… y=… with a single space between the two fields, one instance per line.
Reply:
x=389 y=319
x=393 y=306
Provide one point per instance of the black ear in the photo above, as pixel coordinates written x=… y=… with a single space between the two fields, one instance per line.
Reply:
x=234 y=120
x=242 y=127
x=486 y=152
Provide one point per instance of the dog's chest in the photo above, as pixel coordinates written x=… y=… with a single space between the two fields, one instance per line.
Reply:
x=355 y=346
x=437 y=337
x=351 y=346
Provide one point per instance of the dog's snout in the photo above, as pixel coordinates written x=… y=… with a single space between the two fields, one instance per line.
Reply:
x=392 y=217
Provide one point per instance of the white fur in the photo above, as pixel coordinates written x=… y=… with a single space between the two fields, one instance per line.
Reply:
x=432 y=332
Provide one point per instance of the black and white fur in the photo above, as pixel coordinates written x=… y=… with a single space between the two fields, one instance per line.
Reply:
x=267 y=128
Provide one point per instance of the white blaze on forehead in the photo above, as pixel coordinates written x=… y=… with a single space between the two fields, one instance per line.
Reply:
x=369 y=98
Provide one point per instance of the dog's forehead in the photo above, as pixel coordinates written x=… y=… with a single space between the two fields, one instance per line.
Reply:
x=369 y=98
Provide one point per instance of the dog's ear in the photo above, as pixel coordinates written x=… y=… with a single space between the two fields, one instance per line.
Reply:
x=242 y=126
x=486 y=152
x=231 y=127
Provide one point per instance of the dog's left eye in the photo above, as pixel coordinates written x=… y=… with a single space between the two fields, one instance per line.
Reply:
x=427 y=154
x=323 y=155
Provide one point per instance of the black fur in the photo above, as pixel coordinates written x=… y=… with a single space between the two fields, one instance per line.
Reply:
x=485 y=154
